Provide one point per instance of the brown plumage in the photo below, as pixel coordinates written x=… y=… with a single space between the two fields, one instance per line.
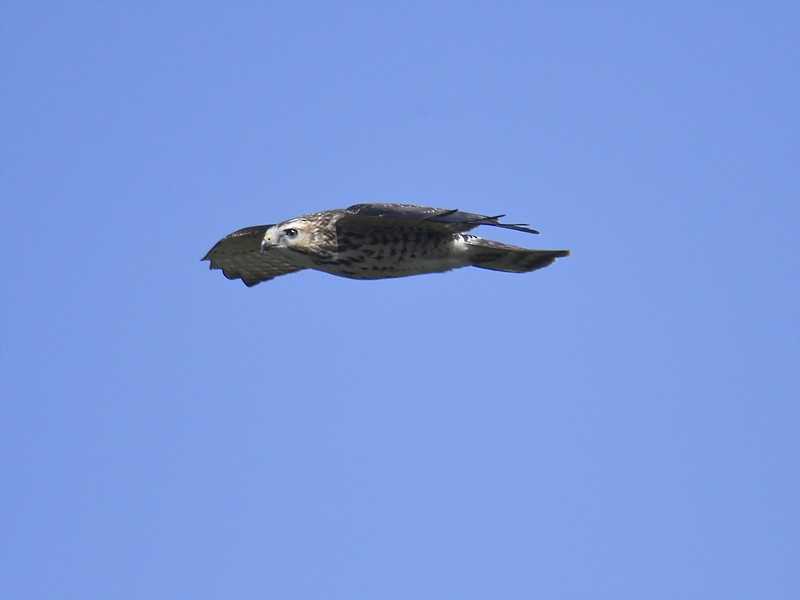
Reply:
x=373 y=241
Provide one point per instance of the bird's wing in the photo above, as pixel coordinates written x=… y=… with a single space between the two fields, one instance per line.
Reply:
x=239 y=256
x=440 y=219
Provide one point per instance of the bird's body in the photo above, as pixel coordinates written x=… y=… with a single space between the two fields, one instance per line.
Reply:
x=372 y=241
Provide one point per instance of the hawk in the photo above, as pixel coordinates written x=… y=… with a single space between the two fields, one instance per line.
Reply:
x=372 y=241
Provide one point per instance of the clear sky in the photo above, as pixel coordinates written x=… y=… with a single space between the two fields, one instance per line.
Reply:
x=623 y=424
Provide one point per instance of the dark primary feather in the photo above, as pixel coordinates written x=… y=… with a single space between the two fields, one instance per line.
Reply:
x=436 y=218
x=239 y=256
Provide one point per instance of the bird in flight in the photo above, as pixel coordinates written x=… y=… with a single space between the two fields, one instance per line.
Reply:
x=372 y=241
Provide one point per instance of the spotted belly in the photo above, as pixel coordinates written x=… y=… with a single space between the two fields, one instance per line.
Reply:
x=399 y=252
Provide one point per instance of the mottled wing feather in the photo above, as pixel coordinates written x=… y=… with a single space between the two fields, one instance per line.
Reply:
x=440 y=219
x=239 y=256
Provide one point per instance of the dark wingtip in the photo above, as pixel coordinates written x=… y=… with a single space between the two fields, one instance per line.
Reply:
x=518 y=227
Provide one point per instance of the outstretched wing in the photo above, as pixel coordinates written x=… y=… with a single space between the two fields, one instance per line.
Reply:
x=440 y=219
x=239 y=256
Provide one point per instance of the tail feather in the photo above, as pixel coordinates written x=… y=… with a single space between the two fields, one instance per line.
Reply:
x=496 y=256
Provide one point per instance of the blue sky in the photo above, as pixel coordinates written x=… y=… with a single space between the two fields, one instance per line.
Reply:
x=623 y=424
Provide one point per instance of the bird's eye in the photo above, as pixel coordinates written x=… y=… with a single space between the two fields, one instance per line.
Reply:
x=290 y=233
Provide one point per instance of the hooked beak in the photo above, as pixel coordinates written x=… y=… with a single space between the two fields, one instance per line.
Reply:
x=266 y=242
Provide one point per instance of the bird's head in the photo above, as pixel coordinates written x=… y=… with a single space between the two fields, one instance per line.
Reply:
x=289 y=235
